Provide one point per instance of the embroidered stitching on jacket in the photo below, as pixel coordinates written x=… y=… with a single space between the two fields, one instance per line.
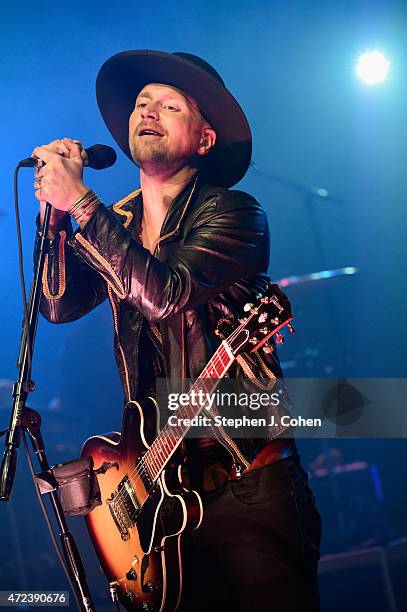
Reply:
x=61 y=272
x=126 y=213
x=156 y=332
x=182 y=215
x=266 y=369
x=250 y=374
x=119 y=288
x=116 y=328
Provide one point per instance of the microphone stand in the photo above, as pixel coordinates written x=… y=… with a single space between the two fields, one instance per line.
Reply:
x=23 y=418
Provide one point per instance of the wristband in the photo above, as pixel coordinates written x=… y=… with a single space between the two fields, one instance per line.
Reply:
x=85 y=205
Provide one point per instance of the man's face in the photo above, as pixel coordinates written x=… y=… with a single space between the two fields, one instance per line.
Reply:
x=166 y=128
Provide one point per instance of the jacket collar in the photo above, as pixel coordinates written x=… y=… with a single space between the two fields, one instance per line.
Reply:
x=178 y=209
x=131 y=208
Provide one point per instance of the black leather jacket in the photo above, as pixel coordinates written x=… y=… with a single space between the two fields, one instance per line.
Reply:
x=211 y=259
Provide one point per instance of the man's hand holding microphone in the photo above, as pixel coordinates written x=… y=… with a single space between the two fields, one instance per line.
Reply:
x=59 y=179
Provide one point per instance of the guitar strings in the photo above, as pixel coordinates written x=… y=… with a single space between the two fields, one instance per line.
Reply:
x=174 y=438
x=141 y=467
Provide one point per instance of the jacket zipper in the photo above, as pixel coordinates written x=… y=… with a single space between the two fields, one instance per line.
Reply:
x=239 y=460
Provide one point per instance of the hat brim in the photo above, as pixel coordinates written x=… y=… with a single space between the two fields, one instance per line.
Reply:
x=123 y=76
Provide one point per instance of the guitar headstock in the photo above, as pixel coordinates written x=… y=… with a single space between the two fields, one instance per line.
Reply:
x=263 y=319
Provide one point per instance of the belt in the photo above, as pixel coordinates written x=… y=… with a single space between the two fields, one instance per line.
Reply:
x=216 y=474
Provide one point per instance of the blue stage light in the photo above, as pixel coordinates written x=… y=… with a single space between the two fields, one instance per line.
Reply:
x=372 y=67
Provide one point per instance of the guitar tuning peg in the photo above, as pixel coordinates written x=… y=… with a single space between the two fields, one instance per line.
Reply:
x=279 y=338
x=247 y=307
x=291 y=329
x=267 y=348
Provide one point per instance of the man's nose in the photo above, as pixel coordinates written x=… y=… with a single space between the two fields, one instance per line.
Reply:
x=150 y=112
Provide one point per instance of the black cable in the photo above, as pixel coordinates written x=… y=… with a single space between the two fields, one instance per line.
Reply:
x=21 y=268
x=48 y=522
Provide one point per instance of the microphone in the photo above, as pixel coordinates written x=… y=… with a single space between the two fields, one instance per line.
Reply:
x=99 y=157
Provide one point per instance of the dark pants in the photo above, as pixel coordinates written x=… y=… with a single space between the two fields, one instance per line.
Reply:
x=258 y=545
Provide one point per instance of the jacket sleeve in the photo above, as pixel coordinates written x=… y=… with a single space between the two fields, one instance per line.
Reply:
x=70 y=287
x=227 y=240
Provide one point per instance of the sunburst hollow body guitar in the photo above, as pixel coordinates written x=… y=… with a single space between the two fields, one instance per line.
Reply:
x=137 y=530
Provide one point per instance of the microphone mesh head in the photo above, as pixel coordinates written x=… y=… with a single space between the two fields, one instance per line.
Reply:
x=101 y=156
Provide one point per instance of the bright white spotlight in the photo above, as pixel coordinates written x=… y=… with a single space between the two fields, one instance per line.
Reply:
x=372 y=67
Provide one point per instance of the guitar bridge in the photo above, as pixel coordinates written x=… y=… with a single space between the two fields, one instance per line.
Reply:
x=124 y=507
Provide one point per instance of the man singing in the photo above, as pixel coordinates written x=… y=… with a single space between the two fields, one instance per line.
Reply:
x=174 y=257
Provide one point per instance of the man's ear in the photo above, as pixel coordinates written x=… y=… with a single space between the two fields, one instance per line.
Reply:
x=207 y=141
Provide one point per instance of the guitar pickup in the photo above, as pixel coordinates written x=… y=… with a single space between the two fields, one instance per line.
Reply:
x=124 y=507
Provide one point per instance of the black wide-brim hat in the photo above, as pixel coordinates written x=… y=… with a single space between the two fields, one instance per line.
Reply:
x=124 y=75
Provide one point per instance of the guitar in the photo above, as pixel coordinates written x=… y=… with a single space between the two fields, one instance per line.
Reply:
x=145 y=509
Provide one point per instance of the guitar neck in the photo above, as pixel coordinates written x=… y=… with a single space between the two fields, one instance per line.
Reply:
x=171 y=437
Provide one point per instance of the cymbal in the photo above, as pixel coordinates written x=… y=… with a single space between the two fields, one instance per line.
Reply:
x=316 y=277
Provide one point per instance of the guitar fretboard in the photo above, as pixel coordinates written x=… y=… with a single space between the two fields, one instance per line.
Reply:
x=170 y=437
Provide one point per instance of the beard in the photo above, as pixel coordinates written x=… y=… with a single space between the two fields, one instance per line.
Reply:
x=155 y=156
x=147 y=152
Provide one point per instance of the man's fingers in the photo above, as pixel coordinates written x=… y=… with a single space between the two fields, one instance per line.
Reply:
x=57 y=146
x=45 y=153
x=65 y=147
x=39 y=172
x=72 y=143
x=85 y=157
x=58 y=177
x=37 y=194
x=74 y=147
